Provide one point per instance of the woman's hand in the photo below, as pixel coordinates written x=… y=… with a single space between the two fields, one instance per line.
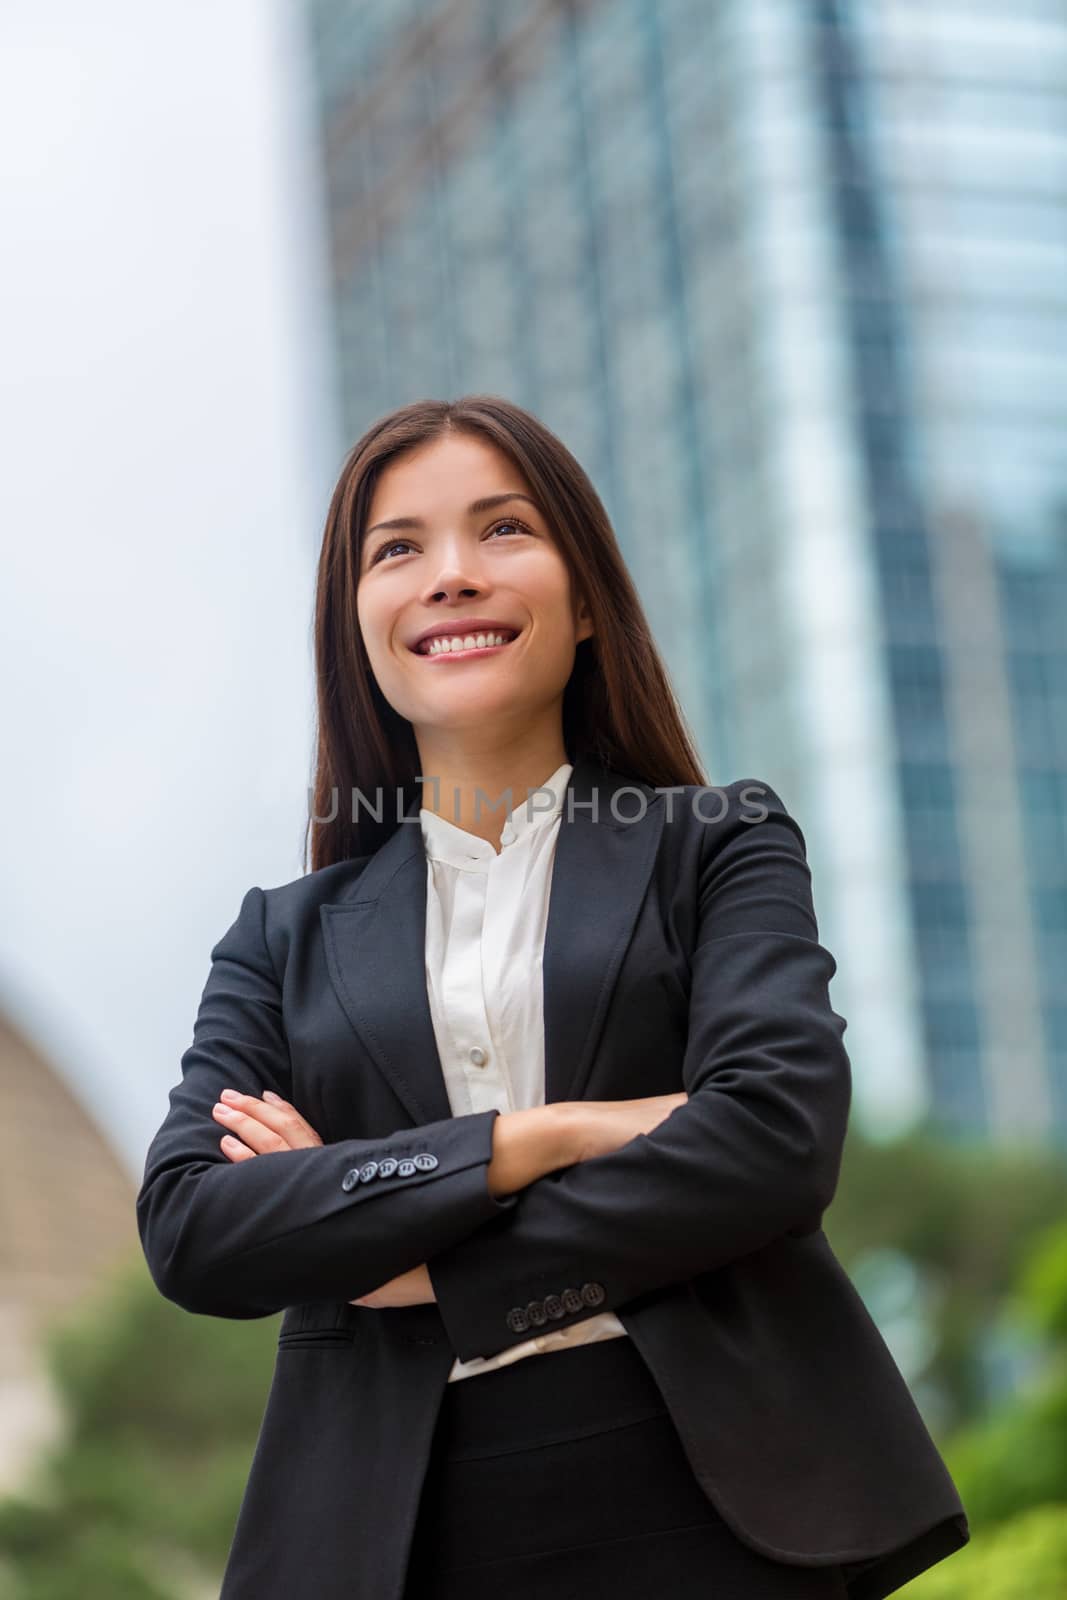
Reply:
x=600 y=1127
x=258 y=1127
x=409 y=1289
x=271 y=1123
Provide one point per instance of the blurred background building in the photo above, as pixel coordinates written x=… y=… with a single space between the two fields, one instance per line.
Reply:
x=790 y=278
x=66 y=1220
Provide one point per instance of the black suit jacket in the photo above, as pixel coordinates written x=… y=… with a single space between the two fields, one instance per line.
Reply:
x=682 y=952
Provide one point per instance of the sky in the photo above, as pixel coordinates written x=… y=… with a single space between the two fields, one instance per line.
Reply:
x=171 y=444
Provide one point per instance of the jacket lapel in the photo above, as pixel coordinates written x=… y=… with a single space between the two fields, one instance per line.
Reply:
x=375 y=938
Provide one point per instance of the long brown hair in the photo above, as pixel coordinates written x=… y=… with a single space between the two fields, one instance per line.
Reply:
x=618 y=704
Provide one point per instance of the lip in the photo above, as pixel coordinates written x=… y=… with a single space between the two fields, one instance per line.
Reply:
x=460 y=627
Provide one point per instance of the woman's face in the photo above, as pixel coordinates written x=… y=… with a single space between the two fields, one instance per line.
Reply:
x=457 y=565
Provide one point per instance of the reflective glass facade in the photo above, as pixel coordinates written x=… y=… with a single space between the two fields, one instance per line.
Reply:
x=790 y=281
x=954 y=120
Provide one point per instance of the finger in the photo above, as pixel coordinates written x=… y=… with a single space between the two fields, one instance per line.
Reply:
x=259 y=1137
x=281 y=1119
x=307 y=1134
x=234 y=1150
x=278 y=1115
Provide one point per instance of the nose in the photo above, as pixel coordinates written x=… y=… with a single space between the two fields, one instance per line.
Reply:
x=458 y=575
x=455 y=591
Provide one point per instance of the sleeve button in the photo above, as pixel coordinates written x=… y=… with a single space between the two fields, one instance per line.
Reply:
x=406 y=1168
x=367 y=1171
x=554 y=1306
x=425 y=1161
x=516 y=1320
x=594 y=1294
x=572 y=1300
x=387 y=1167
x=536 y=1314
x=350 y=1179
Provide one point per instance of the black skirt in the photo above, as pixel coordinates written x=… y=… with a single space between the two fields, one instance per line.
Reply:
x=562 y=1475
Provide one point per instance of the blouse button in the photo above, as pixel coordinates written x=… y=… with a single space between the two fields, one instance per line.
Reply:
x=477 y=1055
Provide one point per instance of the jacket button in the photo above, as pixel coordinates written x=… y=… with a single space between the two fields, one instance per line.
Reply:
x=387 y=1167
x=425 y=1161
x=594 y=1294
x=350 y=1179
x=554 y=1306
x=367 y=1171
x=572 y=1300
x=516 y=1320
x=406 y=1168
x=536 y=1313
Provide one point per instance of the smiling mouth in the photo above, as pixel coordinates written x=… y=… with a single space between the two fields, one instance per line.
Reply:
x=443 y=653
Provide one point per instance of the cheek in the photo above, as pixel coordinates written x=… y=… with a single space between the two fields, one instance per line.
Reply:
x=373 y=628
x=364 y=620
x=558 y=604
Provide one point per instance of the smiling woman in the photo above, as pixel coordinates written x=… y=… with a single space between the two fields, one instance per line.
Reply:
x=447 y=519
x=525 y=1115
x=465 y=577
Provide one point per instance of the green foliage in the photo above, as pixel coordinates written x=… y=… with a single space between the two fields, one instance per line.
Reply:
x=140 y=1498
x=982 y=1229
x=1017 y=1459
x=963 y=1215
x=1043 y=1282
x=1024 y=1559
x=131 y=1356
x=51 y=1559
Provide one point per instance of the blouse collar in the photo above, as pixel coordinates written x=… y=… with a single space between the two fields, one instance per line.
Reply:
x=447 y=841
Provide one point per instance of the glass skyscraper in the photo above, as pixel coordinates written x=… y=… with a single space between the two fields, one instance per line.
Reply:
x=790 y=278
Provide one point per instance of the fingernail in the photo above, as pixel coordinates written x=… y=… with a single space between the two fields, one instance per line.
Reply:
x=268 y=1094
x=229 y=1094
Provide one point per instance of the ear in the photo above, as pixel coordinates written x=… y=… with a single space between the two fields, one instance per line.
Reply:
x=583 y=622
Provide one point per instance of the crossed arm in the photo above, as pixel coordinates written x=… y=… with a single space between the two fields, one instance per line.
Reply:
x=752 y=1154
x=526 y=1145
x=272 y=1124
x=267 y=1216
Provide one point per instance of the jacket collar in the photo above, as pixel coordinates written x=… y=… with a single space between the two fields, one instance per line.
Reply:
x=375 y=937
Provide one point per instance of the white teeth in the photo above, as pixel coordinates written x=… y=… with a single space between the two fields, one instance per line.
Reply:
x=469 y=641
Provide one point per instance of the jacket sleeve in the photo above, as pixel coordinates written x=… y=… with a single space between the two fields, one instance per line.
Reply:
x=249 y=1238
x=753 y=1154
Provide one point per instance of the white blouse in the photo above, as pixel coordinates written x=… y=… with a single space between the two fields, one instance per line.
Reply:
x=486 y=915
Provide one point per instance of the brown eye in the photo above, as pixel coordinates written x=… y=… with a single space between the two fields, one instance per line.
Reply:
x=510 y=522
x=405 y=544
x=394 y=546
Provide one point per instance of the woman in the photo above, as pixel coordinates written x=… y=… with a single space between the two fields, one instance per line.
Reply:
x=524 y=1105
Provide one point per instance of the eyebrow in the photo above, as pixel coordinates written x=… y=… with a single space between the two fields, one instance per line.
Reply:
x=485 y=504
